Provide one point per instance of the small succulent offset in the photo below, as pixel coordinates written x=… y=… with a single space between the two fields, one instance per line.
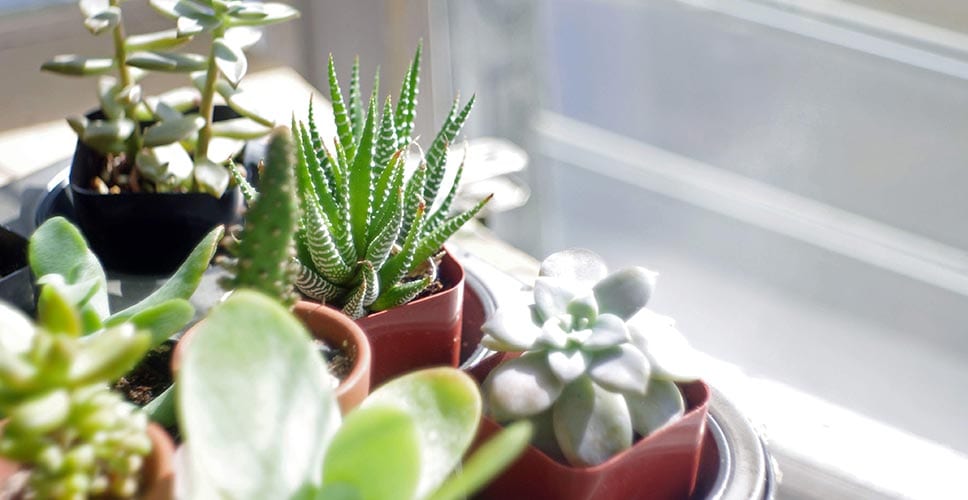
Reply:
x=157 y=157
x=76 y=437
x=264 y=251
x=368 y=236
x=260 y=419
x=597 y=369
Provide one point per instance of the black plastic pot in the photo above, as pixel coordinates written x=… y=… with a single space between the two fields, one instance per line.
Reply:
x=145 y=233
x=16 y=283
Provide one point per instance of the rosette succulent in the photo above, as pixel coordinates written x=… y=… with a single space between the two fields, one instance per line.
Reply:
x=597 y=369
x=76 y=437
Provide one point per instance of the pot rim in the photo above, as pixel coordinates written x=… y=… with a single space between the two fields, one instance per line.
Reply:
x=353 y=333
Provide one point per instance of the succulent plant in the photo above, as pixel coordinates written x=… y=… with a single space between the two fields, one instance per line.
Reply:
x=158 y=157
x=367 y=231
x=597 y=367
x=260 y=419
x=265 y=250
x=76 y=437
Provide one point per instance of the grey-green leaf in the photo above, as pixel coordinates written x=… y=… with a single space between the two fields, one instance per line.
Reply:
x=167 y=61
x=521 y=387
x=73 y=65
x=592 y=424
x=57 y=247
x=230 y=60
x=660 y=406
x=623 y=293
x=103 y=21
x=169 y=131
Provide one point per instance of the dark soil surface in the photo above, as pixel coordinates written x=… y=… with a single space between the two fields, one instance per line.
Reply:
x=150 y=378
x=339 y=359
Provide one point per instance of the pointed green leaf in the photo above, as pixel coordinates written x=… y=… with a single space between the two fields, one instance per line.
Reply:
x=356 y=102
x=433 y=242
x=107 y=355
x=231 y=61
x=73 y=65
x=167 y=61
x=343 y=126
x=436 y=157
x=361 y=184
x=163 y=320
x=407 y=103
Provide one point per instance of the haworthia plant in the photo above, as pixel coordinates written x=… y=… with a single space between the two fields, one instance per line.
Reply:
x=158 y=158
x=74 y=436
x=265 y=252
x=597 y=366
x=404 y=442
x=368 y=235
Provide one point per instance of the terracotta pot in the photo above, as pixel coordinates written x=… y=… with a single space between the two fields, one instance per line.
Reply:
x=660 y=466
x=336 y=328
x=332 y=327
x=145 y=233
x=157 y=475
x=422 y=333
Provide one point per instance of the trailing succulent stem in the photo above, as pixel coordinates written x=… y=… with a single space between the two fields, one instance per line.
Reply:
x=76 y=438
x=366 y=228
x=598 y=367
x=264 y=256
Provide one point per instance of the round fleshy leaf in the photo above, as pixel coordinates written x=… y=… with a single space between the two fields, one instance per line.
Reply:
x=671 y=356
x=662 y=405
x=169 y=131
x=169 y=164
x=211 y=178
x=592 y=424
x=584 y=306
x=567 y=365
x=608 y=331
x=520 y=388
x=231 y=60
x=624 y=293
x=621 y=369
x=17 y=330
x=551 y=297
x=579 y=265
x=510 y=329
x=552 y=335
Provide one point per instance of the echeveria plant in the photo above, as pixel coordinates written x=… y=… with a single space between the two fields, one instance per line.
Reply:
x=597 y=367
x=260 y=420
x=368 y=234
x=182 y=149
x=76 y=438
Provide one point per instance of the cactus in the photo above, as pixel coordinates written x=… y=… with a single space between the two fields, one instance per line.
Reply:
x=76 y=437
x=265 y=251
x=366 y=230
x=597 y=366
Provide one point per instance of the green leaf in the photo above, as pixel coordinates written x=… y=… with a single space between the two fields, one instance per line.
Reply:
x=521 y=387
x=621 y=369
x=190 y=25
x=169 y=131
x=592 y=424
x=93 y=7
x=103 y=21
x=17 y=330
x=41 y=414
x=274 y=13
x=361 y=184
x=660 y=406
x=230 y=60
x=177 y=8
x=243 y=450
x=487 y=462
x=623 y=293
x=107 y=355
x=166 y=165
x=239 y=128
x=167 y=61
x=57 y=247
x=161 y=410
x=106 y=135
x=211 y=177
x=433 y=242
x=159 y=40
x=379 y=442
x=407 y=103
x=445 y=404
x=437 y=156
x=180 y=285
x=56 y=314
x=73 y=65
x=343 y=127
x=163 y=320
x=356 y=102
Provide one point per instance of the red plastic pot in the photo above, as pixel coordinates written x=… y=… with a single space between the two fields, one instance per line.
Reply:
x=157 y=473
x=661 y=466
x=422 y=333
x=332 y=327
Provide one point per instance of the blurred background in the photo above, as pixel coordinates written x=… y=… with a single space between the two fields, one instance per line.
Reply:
x=794 y=169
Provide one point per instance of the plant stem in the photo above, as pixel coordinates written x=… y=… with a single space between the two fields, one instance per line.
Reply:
x=207 y=106
x=133 y=142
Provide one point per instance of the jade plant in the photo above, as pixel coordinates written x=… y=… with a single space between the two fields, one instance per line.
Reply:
x=597 y=367
x=404 y=442
x=263 y=252
x=73 y=435
x=182 y=148
x=368 y=238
